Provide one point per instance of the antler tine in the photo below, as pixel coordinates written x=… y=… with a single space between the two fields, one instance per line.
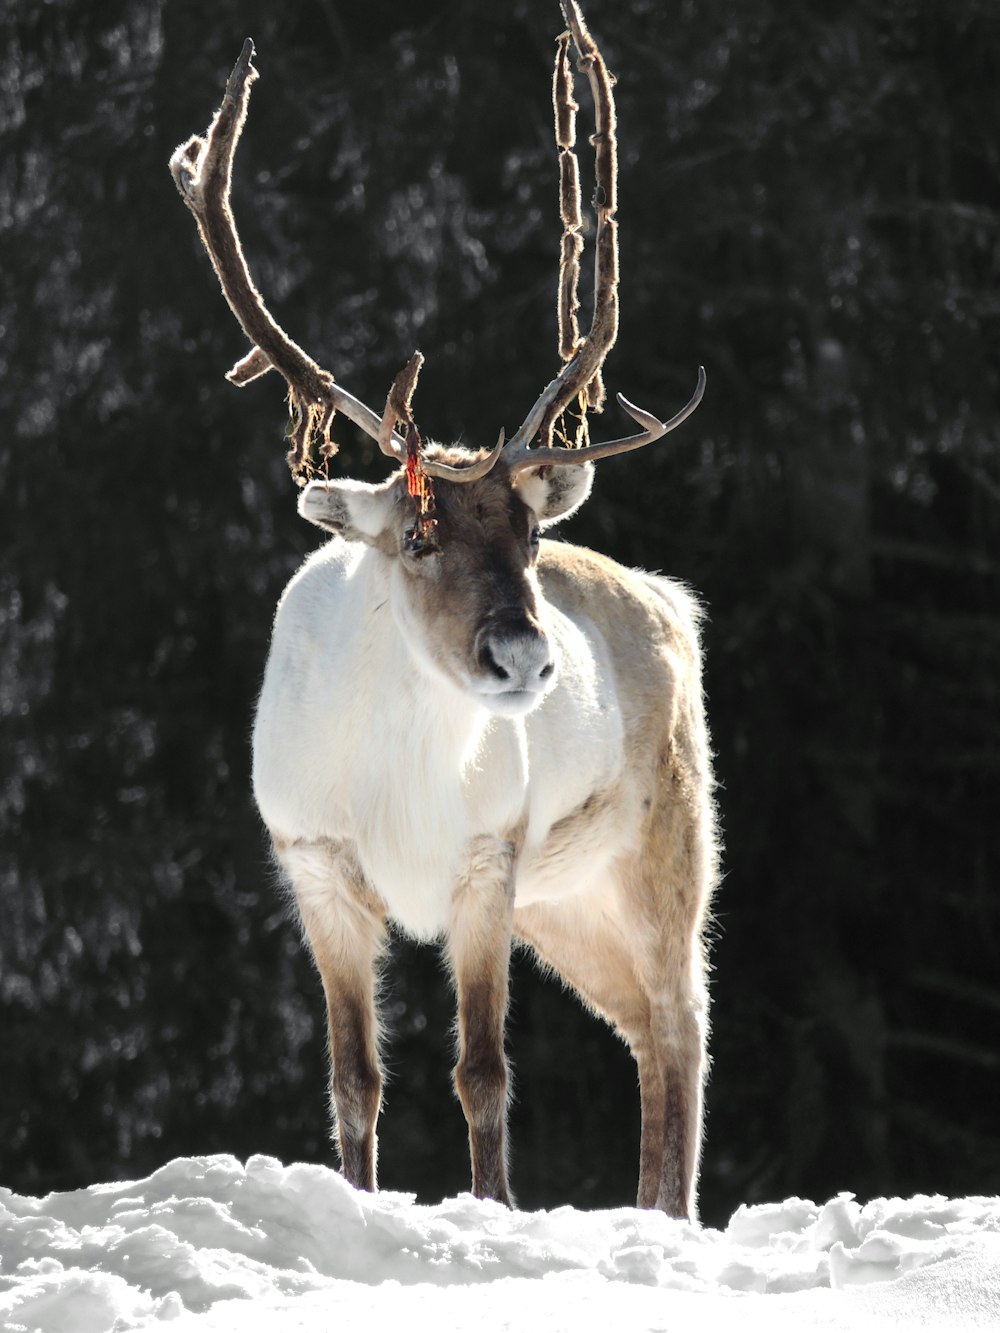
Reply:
x=202 y=170
x=398 y=408
x=590 y=453
x=465 y=471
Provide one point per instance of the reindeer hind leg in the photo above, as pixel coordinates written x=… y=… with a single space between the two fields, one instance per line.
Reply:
x=664 y=903
x=589 y=951
x=640 y=967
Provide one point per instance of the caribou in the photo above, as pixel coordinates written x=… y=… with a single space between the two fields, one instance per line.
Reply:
x=472 y=732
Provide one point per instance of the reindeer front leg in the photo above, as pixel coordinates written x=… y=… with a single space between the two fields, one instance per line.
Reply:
x=479 y=942
x=344 y=925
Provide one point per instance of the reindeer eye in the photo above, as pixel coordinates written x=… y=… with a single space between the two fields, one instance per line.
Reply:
x=421 y=542
x=534 y=536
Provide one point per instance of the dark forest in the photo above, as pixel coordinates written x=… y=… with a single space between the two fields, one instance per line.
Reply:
x=810 y=207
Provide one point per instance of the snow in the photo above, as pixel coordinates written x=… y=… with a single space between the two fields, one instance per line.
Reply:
x=206 y=1243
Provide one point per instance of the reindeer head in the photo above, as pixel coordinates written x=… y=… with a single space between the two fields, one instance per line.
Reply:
x=470 y=607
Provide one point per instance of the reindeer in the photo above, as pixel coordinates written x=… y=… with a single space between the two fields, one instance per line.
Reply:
x=475 y=733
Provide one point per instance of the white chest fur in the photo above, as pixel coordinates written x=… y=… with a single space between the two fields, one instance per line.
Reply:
x=354 y=741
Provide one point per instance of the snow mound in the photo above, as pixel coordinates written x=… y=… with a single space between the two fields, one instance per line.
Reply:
x=207 y=1243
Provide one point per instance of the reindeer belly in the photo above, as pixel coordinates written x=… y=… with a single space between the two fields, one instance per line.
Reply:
x=579 y=851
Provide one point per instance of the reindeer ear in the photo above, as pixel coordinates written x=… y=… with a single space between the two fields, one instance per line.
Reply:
x=355 y=510
x=554 y=492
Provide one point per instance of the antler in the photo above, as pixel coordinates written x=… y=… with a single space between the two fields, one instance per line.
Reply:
x=202 y=170
x=581 y=375
x=397 y=408
x=654 y=428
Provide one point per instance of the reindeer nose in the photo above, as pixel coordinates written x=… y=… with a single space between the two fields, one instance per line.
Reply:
x=514 y=652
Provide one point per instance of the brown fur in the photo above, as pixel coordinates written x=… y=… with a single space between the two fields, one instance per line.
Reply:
x=641 y=965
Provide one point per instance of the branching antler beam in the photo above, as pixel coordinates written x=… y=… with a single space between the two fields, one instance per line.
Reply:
x=581 y=377
x=202 y=169
x=604 y=328
x=564 y=109
x=584 y=358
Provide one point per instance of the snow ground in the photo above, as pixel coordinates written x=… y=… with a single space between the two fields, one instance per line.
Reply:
x=209 y=1244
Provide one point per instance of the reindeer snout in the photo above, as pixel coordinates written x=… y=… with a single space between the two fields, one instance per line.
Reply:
x=513 y=655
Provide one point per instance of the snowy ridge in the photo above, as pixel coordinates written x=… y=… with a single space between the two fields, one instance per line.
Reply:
x=206 y=1243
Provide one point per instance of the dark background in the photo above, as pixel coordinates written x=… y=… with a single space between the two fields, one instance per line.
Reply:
x=809 y=207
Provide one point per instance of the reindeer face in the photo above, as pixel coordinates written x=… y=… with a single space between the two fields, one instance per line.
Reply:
x=473 y=608
x=470 y=609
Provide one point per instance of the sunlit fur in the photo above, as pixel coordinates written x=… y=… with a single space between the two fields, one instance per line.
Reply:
x=395 y=786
